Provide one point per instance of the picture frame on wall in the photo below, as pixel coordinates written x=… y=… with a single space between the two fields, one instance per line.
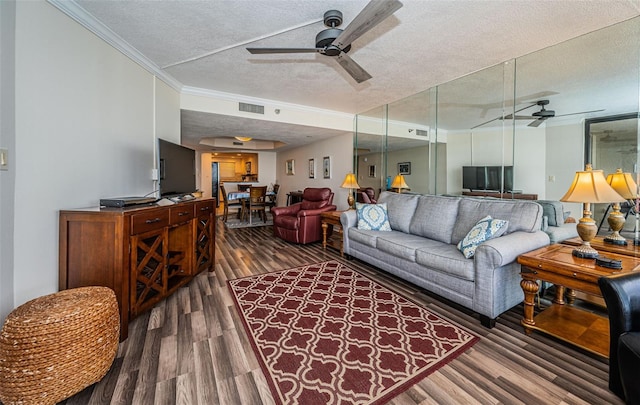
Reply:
x=290 y=167
x=404 y=168
x=372 y=170
x=326 y=167
x=247 y=167
x=312 y=168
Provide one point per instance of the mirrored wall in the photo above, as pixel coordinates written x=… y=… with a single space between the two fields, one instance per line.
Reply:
x=519 y=126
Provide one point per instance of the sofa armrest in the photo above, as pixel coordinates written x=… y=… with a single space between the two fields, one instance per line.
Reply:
x=348 y=219
x=316 y=212
x=500 y=251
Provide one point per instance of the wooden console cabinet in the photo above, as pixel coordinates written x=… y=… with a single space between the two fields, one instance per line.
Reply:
x=143 y=253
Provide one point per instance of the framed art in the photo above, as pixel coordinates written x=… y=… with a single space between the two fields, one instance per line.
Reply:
x=247 y=167
x=372 y=170
x=404 y=168
x=312 y=168
x=289 y=167
x=326 y=167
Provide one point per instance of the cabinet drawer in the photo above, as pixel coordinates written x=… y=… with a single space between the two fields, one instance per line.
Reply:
x=205 y=207
x=148 y=221
x=180 y=214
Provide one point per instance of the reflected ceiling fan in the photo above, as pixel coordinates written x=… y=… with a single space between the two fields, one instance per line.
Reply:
x=336 y=42
x=538 y=117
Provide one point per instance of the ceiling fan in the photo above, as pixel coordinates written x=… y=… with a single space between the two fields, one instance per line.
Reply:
x=336 y=42
x=538 y=117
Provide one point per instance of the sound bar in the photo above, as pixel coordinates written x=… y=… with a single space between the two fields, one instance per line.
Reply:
x=121 y=202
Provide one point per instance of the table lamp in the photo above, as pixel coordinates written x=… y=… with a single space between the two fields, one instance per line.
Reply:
x=351 y=183
x=589 y=186
x=399 y=183
x=625 y=186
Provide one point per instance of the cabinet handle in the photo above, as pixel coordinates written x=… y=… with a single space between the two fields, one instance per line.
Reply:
x=205 y=208
x=180 y=214
x=152 y=221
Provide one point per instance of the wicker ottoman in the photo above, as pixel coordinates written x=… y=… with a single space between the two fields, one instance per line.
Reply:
x=55 y=346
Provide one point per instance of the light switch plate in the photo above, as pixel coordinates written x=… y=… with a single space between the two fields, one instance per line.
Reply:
x=4 y=159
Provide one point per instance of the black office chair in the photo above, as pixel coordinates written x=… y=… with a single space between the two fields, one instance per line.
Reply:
x=622 y=296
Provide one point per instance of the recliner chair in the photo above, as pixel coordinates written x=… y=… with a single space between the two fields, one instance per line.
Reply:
x=622 y=296
x=300 y=222
x=366 y=195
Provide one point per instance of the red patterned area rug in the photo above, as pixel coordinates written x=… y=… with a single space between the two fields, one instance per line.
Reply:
x=325 y=334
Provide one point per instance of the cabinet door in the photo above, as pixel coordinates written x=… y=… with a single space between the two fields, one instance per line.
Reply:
x=148 y=269
x=205 y=235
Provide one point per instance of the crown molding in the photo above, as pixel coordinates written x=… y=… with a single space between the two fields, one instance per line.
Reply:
x=220 y=95
x=80 y=15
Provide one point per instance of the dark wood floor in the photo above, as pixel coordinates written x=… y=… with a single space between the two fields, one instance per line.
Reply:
x=192 y=349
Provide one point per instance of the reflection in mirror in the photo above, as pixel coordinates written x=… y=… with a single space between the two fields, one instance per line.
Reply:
x=472 y=111
x=408 y=142
x=369 y=152
x=612 y=143
x=528 y=113
x=587 y=77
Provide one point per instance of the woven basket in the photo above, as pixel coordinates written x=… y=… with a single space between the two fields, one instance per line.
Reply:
x=55 y=346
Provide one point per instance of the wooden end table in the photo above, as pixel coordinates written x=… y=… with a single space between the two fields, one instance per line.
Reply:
x=556 y=264
x=599 y=244
x=332 y=218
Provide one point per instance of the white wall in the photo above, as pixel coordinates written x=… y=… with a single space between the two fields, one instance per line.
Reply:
x=7 y=140
x=85 y=129
x=338 y=148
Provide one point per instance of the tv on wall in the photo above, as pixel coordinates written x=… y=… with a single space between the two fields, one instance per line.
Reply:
x=177 y=169
x=487 y=178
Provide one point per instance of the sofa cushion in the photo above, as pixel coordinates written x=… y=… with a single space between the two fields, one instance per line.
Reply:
x=403 y=245
x=400 y=208
x=525 y=216
x=553 y=211
x=446 y=259
x=487 y=228
x=373 y=217
x=434 y=217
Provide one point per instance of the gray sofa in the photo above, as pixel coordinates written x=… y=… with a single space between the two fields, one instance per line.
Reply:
x=554 y=221
x=421 y=247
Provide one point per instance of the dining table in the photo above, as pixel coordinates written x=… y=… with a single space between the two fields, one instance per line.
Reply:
x=244 y=195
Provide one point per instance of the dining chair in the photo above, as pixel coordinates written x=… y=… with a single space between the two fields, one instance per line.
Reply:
x=272 y=199
x=255 y=203
x=237 y=204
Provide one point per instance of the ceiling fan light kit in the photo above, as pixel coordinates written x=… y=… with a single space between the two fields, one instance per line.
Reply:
x=336 y=42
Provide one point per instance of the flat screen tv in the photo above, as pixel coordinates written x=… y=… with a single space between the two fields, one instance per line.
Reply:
x=487 y=178
x=177 y=169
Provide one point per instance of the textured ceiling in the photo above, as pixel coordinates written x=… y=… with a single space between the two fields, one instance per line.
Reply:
x=425 y=43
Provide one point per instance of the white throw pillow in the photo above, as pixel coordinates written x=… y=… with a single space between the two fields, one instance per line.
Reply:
x=485 y=229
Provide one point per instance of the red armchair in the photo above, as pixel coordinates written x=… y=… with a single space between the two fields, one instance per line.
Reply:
x=366 y=195
x=300 y=222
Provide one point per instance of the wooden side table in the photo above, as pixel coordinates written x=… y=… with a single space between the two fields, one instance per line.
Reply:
x=556 y=264
x=332 y=218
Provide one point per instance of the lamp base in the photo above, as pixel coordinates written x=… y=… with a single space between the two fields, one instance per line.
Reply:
x=351 y=202
x=585 y=252
x=616 y=239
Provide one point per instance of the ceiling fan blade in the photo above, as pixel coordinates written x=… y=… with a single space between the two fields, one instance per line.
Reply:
x=581 y=112
x=537 y=122
x=370 y=16
x=356 y=71
x=284 y=50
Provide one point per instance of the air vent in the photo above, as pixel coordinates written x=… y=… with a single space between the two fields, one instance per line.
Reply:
x=238 y=143
x=252 y=108
x=422 y=132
